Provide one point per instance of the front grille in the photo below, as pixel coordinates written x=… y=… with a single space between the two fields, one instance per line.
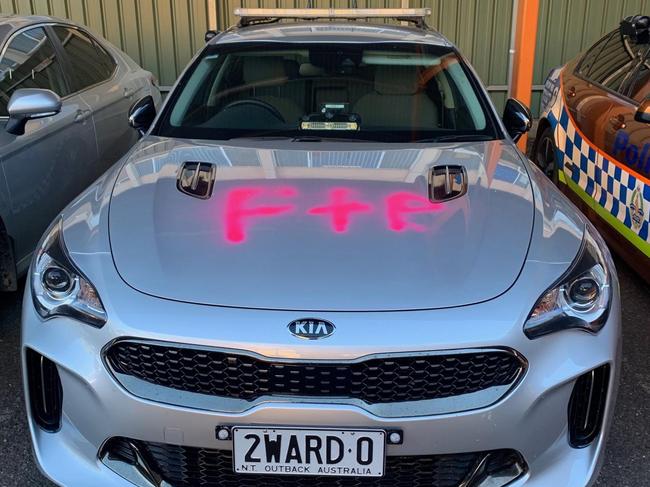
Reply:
x=183 y=466
x=376 y=380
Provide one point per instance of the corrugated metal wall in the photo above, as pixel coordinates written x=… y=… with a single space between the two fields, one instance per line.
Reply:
x=481 y=30
x=162 y=35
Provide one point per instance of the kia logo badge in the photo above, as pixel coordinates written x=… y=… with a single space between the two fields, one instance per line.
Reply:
x=311 y=328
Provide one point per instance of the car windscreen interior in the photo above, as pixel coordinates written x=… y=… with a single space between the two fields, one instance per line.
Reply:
x=387 y=92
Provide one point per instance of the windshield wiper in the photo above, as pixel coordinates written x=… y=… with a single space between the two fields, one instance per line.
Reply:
x=457 y=138
x=296 y=138
x=272 y=135
x=306 y=138
x=269 y=136
x=318 y=138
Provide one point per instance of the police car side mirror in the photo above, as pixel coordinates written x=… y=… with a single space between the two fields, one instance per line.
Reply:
x=643 y=112
x=517 y=118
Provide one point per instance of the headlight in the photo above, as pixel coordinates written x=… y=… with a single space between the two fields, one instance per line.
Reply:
x=59 y=288
x=581 y=298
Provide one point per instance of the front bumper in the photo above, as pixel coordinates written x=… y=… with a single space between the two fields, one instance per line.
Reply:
x=530 y=419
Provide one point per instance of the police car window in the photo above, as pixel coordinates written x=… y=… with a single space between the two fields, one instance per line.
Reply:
x=388 y=93
x=615 y=62
x=29 y=62
x=590 y=56
x=90 y=63
x=639 y=85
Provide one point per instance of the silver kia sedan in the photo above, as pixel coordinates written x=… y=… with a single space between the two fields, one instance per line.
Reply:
x=64 y=99
x=326 y=263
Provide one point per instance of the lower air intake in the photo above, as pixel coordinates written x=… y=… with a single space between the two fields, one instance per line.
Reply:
x=587 y=406
x=183 y=466
x=45 y=391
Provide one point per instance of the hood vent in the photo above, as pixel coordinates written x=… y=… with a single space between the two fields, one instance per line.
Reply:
x=447 y=183
x=197 y=179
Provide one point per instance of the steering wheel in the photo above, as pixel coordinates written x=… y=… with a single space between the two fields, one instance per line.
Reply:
x=256 y=103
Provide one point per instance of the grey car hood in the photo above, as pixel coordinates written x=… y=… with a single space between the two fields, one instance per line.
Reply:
x=267 y=238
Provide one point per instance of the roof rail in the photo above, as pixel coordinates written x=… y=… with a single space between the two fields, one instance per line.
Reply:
x=263 y=15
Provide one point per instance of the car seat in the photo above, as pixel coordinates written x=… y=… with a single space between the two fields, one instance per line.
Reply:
x=397 y=100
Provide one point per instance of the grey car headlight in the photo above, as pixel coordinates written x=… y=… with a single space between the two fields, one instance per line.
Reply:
x=59 y=288
x=581 y=298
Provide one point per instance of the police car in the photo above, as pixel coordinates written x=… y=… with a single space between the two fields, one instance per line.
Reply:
x=594 y=137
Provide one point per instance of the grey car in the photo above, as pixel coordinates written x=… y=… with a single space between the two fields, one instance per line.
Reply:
x=64 y=99
x=326 y=263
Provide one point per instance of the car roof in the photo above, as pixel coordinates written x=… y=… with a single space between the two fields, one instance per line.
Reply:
x=18 y=21
x=332 y=31
x=10 y=23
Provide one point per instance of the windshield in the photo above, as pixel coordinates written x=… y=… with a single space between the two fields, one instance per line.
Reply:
x=380 y=92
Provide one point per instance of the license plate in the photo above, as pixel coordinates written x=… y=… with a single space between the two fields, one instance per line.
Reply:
x=289 y=451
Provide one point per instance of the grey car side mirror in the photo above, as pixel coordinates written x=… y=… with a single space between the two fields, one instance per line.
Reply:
x=30 y=103
x=142 y=114
x=517 y=118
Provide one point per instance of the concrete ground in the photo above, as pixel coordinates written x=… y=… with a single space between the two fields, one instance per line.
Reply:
x=628 y=458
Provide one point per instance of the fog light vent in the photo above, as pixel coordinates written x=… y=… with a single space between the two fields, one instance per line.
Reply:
x=45 y=391
x=587 y=406
x=497 y=469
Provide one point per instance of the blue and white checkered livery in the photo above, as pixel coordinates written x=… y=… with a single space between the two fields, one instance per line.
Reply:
x=605 y=181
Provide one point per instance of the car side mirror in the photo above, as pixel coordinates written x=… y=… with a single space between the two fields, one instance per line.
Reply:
x=142 y=114
x=28 y=104
x=643 y=112
x=517 y=118
x=210 y=34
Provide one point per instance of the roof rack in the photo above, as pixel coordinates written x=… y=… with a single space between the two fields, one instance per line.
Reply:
x=250 y=16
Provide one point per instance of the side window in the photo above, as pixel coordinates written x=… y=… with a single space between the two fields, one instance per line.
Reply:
x=89 y=62
x=30 y=62
x=639 y=86
x=591 y=55
x=615 y=62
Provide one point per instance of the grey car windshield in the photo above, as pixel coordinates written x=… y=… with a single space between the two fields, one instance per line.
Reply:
x=383 y=92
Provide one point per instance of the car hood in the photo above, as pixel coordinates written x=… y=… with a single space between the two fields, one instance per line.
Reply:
x=321 y=226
